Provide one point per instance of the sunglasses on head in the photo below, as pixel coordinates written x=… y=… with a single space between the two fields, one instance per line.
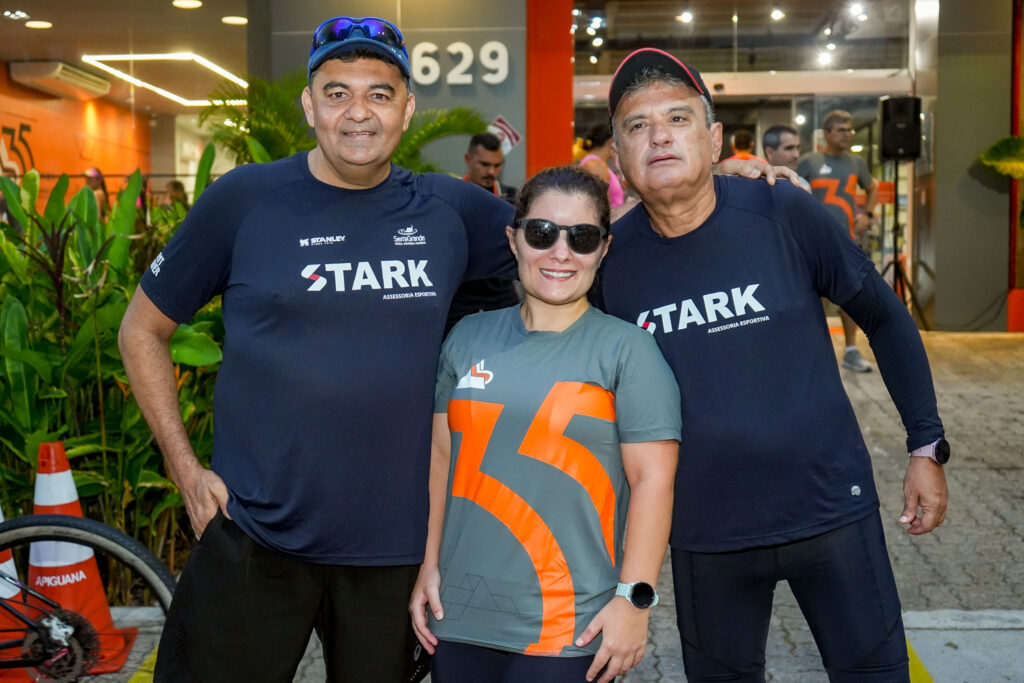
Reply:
x=541 y=233
x=340 y=29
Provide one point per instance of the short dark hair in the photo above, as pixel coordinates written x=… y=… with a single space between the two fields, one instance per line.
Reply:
x=489 y=141
x=597 y=135
x=773 y=136
x=570 y=179
x=743 y=140
x=834 y=117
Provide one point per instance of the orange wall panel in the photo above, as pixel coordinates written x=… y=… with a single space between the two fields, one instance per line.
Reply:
x=549 y=72
x=56 y=135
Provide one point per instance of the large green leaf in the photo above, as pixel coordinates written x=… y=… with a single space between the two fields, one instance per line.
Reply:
x=1006 y=156
x=203 y=171
x=14 y=334
x=122 y=223
x=55 y=204
x=36 y=361
x=30 y=190
x=87 y=234
x=189 y=347
x=12 y=193
x=257 y=151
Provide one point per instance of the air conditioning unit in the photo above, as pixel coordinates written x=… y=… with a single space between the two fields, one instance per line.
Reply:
x=60 y=78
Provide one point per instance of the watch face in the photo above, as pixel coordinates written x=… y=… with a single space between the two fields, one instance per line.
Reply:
x=642 y=595
x=942 y=452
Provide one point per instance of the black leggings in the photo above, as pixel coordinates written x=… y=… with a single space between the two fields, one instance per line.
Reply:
x=461 y=663
x=842 y=581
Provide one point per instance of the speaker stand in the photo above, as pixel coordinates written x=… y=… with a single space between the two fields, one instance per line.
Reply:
x=900 y=284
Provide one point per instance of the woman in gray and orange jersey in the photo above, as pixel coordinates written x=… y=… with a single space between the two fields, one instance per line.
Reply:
x=552 y=422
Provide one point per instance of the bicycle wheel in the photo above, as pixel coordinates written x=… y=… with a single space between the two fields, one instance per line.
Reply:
x=95 y=640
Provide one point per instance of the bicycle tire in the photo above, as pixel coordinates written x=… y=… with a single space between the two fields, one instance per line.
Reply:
x=116 y=554
x=98 y=536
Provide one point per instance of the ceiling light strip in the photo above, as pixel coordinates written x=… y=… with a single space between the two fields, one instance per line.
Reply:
x=99 y=61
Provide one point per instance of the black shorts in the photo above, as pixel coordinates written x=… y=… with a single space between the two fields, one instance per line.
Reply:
x=242 y=612
x=461 y=663
x=842 y=581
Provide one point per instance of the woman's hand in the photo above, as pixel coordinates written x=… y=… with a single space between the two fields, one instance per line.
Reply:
x=426 y=593
x=624 y=638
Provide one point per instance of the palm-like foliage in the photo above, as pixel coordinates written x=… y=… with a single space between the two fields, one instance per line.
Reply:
x=272 y=117
x=432 y=124
x=273 y=126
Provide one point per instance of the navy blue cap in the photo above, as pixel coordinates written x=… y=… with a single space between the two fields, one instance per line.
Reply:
x=327 y=44
x=646 y=59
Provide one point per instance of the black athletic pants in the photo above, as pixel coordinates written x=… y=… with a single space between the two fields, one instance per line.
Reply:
x=461 y=663
x=843 y=582
x=244 y=613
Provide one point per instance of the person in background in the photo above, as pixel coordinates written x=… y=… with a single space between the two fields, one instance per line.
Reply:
x=484 y=160
x=97 y=183
x=742 y=144
x=774 y=481
x=834 y=173
x=565 y=419
x=781 y=146
x=176 y=194
x=598 y=144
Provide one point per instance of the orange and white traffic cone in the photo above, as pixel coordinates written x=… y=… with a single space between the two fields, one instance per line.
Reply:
x=66 y=572
x=10 y=627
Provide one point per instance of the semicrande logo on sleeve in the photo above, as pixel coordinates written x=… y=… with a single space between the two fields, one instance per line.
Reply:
x=710 y=308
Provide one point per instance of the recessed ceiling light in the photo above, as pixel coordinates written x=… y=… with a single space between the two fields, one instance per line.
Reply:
x=598 y=42
x=735 y=18
x=575 y=11
x=187 y=4
x=828 y=31
x=99 y=61
x=862 y=17
x=800 y=119
x=234 y=21
x=777 y=14
x=38 y=24
x=593 y=59
x=857 y=148
x=591 y=31
x=686 y=17
x=856 y=8
x=824 y=58
x=830 y=46
x=15 y=14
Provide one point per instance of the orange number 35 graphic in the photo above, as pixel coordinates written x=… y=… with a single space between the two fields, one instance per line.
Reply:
x=546 y=442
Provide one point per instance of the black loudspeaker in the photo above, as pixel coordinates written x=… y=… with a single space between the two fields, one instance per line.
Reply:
x=901 y=127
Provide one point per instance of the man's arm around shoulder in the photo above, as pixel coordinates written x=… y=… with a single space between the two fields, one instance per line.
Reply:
x=144 y=340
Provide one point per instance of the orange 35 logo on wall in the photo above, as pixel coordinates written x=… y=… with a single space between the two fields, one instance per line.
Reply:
x=15 y=151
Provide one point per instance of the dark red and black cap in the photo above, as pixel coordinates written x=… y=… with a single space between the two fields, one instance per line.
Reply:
x=650 y=59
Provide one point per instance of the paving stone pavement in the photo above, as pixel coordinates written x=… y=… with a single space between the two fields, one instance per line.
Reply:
x=975 y=561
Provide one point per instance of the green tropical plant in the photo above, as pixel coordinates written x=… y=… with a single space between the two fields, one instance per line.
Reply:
x=434 y=124
x=271 y=117
x=271 y=125
x=65 y=279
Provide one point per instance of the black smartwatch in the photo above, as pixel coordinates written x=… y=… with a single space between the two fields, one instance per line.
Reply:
x=640 y=593
x=937 y=451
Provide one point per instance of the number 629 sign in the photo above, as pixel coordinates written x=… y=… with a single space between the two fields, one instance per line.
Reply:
x=493 y=56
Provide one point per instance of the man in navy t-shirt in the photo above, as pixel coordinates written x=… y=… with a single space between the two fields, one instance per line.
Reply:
x=774 y=480
x=336 y=271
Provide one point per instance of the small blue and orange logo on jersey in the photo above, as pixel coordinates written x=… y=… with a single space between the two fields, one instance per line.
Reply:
x=476 y=378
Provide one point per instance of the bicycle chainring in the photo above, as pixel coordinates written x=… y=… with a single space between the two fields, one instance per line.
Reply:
x=65 y=665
